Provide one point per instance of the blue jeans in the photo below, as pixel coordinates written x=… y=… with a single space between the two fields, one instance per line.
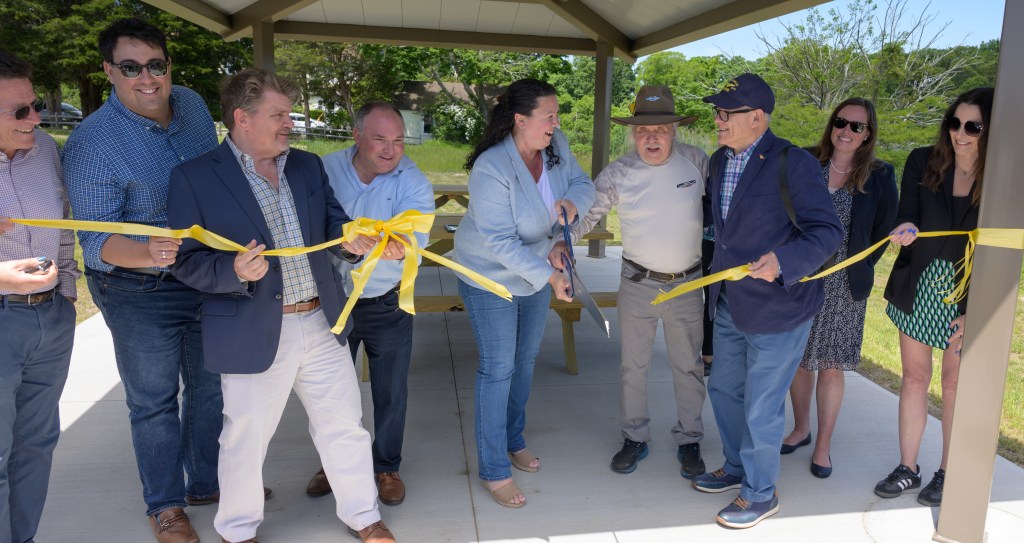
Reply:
x=508 y=338
x=747 y=388
x=386 y=331
x=35 y=351
x=154 y=322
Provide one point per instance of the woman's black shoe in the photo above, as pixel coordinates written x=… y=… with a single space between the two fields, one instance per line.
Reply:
x=788 y=449
x=821 y=472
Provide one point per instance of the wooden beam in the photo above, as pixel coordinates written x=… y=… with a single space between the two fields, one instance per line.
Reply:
x=262 y=11
x=289 y=30
x=195 y=12
x=601 y=142
x=592 y=24
x=738 y=14
x=263 y=46
x=990 y=310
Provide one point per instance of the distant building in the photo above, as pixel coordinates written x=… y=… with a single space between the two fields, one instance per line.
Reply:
x=416 y=96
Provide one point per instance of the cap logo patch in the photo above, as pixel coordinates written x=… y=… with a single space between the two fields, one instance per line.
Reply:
x=730 y=86
x=653 y=98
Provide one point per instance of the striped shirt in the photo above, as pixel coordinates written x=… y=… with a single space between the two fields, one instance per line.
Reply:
x=734 y=165
x=278 y=207
x=31 y=188
x=117 y=165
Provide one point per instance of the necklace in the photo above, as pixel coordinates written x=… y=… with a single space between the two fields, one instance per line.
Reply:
x=837 y=170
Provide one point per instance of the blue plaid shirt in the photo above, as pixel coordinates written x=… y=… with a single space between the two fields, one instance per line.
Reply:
x=117 y=164
x=734 y=165
x=278 y=207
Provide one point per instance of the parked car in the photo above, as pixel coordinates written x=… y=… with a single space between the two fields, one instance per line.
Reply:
x=315 y=126
x=68 y=114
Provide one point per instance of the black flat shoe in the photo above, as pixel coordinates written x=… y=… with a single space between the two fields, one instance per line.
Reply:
x=821 y=472
x=788 y=449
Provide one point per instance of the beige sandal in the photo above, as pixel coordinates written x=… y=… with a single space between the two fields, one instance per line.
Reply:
x=522 y=460
x=504 y=494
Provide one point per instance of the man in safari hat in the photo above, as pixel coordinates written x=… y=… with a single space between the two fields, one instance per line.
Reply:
x=658 y=188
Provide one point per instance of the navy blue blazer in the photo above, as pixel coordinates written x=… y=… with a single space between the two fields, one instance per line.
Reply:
x=241 y=323
x=757 y=223
x=872 y=217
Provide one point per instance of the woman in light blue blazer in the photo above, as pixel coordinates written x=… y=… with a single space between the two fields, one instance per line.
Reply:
x=522 y=175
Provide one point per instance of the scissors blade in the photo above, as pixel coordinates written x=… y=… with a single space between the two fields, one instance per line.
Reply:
x=583 y=295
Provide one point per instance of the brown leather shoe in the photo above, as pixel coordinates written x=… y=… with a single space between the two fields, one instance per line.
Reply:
x=318 y=485
x=376 y=533
x=390 y=488
x=172 y=526
x=216 y=498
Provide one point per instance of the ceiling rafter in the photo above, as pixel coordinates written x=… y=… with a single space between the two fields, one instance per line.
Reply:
x=262 y=11
x=722 y=19
x=292 y=30
x=195 y=12
x=590 y=23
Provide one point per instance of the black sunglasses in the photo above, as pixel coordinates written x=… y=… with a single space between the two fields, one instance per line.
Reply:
x=857 y=126
x=971 y=128
x=132 y=70
x=23 y=112
x=723 y=115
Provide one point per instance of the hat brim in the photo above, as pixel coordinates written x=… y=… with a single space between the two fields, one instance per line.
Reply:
x=649 y=120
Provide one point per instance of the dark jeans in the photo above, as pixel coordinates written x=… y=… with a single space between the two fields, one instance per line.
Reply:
x=154 y=322
x=35 y=351
x=386 y=332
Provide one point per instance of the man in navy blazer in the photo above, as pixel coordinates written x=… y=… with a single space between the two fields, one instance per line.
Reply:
x=762 y=321
x=266 y=320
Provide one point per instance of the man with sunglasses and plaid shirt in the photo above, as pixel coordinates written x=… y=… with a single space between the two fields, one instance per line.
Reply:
x=117 y=168
x=37 y=311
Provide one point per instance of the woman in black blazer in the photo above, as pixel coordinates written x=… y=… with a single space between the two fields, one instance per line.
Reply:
x=941 y=191
x=864 y=194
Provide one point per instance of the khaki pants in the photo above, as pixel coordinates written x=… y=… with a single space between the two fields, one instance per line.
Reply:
x=683 y=323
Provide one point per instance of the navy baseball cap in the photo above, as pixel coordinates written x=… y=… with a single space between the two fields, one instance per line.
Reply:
x=747 y=90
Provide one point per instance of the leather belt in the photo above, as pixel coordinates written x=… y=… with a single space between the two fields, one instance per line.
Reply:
x=148 y=271
x=643 y=272
x=378 y=299
x=301 y=307
x=30 y=299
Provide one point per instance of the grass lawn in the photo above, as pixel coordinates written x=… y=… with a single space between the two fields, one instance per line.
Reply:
x=880 y=360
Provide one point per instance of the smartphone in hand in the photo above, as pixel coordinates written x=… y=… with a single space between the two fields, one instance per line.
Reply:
x=42 y=267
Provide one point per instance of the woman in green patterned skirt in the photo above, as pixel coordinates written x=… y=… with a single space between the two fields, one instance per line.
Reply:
x=941 y=190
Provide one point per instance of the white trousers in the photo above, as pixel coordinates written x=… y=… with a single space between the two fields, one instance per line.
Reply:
x=310 y=360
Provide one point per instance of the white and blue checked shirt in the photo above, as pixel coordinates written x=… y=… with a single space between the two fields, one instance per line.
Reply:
x=117 y=165
x=278 y=207
x=734 y=165
x=31 y=188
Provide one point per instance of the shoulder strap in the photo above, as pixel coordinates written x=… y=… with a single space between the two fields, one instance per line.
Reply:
x=787 y=201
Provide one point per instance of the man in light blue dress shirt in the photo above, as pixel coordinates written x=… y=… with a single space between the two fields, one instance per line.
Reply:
x=375 y=179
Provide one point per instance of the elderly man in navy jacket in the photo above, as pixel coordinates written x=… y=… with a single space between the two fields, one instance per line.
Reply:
x=266 y=320
x=762 y=321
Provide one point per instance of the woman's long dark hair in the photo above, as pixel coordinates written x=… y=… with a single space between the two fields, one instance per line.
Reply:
x=864 y=157
x=520 y=97
x=942 y=154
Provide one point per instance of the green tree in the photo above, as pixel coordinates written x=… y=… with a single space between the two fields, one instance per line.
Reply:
x=579 y=82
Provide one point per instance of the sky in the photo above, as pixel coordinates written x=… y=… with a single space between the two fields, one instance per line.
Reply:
x=981 y=21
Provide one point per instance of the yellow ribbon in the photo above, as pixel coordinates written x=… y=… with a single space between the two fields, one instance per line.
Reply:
x=1007 y=238
x=405 y=223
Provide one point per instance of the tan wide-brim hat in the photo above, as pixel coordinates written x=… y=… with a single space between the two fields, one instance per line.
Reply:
x=654 y=105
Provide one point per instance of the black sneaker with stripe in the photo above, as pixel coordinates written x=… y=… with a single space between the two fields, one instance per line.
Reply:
x=931 y=495
x=899 y=480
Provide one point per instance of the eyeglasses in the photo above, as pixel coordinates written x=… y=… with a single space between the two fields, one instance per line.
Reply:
x=971 y=128
x=841 y=123
x=132 y=70
x=723 y=115
x=23 y=112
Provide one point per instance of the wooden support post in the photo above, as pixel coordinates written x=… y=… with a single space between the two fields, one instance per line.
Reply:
x=602 y=129
x=263 y=46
